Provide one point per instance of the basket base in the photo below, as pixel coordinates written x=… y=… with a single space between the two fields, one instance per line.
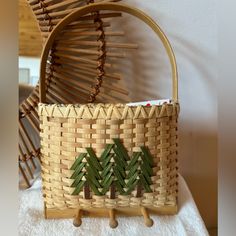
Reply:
x=104 y=212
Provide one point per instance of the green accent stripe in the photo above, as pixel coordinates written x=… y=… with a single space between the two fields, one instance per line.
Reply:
x=105 y=180
x=107 y=160
x=124 y=173
x=147 y=155
x=106 y=170
x=133 y=170
x=94 y=188
x=78 y=170
x=78 y=188
x=133 y=160
x=77 y=179
x=91 y=178
x=119 y=165
x=132 y=179
x=146 y=175
x=93 y=172
x=147 y=167
x=119 y=187
x=106 y=151
x=121 y=161
x=93 y=159
x=121 y=170
x=121 y=148
x=107 y=186
x=91 y=167
x=78 y=161
x=118 y=176
x=145 y=184
x=132 y=187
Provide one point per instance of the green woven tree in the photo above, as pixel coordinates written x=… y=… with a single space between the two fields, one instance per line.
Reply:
x=114 y=162
x=140 y=170
x=114 y=170
x=93 y=170
x=108 y=165
x=78 y=173
x=91 y=174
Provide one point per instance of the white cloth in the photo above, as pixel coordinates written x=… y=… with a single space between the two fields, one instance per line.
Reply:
x=187 y=222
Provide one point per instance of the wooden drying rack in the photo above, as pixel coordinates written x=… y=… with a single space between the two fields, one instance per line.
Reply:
x=48 y=14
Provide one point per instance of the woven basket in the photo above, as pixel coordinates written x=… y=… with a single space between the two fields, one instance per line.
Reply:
x=100 y=159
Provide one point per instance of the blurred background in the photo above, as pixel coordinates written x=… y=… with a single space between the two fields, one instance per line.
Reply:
x=30 y=45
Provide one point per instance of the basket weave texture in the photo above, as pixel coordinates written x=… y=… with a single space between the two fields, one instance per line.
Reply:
x=68 y=130
x=116 y=156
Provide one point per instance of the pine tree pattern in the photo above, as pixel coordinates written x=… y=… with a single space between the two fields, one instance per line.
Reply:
x=78 y=173
x=113 y=170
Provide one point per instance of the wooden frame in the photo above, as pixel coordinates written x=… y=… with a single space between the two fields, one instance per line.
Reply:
x=78 y=214
x=104 y=212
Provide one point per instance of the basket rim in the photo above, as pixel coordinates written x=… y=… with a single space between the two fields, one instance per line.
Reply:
x=106 y=105
x=108 y=110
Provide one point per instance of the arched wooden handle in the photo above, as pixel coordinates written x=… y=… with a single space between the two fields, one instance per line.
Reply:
x=113 y=7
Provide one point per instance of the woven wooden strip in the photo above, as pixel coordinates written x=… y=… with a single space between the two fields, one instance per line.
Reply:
x=107 y=111
x=123 y=202
x=159 y=134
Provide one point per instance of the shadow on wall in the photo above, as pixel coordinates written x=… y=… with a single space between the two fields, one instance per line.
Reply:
x=197 y=126
x=146 y=67
x=198 y=165
x=147 y=70
x=197 y=57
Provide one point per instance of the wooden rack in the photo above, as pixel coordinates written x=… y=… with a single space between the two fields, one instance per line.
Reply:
x=82 y=54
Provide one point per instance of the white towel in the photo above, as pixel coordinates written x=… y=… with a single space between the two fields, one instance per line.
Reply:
x=187 y=222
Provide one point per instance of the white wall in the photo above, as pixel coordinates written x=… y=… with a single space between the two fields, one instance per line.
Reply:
x=32 y=64
x=192 y=30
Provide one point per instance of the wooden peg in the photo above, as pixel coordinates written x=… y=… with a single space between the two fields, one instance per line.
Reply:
x=77 y=221
x=147 y=220
x=113 y=222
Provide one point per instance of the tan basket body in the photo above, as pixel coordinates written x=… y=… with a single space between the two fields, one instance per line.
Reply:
x=67 y=130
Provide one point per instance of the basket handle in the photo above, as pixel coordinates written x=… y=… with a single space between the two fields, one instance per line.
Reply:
x=113 y=7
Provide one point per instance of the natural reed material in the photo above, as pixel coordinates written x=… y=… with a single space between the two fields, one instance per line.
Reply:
x=23 y=158
x=92 y=43
x=108 y=157
x=48 y=14
x=113 y=170
x=95 y=126
x=54 y=22
x=77 y=35
x=23 y=173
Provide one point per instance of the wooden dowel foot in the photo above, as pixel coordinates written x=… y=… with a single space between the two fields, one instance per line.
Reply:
x=147 y=220
x=77 y=220
x=113 y=222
